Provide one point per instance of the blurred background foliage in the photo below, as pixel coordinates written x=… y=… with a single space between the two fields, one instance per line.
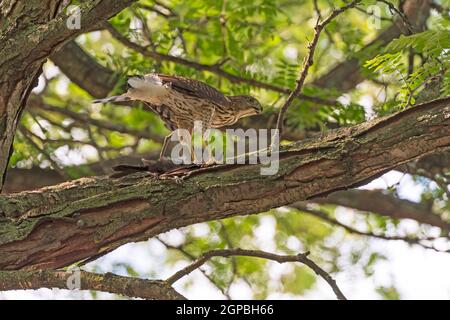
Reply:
x=262 y=40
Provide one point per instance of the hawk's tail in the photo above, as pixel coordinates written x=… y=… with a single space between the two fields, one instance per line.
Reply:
x=122 y=97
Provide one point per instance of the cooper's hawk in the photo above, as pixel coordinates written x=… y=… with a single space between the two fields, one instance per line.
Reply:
x=180 y=101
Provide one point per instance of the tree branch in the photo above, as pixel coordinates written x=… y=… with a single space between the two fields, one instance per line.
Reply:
x=20 y=179
x=82 y=69
x=404 y=18
x=226 y=253
x=191 y=257
x=362 y=200
x=60 y=225
x=343 y=76
x=109 y=282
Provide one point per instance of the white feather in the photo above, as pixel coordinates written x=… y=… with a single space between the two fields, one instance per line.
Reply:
x=149 y=88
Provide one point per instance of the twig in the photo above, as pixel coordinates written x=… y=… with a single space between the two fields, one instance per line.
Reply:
x=412 y=91
x=372 y=14
x=145 y=28
x=392 y=8
x=26 y=134
x=302 y=258
x=83 y=118
x=319 y=15
x=308 y=61
x=33 y=116
x=65 y=141
x=191 y=257
x=156 y=10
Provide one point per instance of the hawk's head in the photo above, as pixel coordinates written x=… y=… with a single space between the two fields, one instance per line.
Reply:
x=246 y=105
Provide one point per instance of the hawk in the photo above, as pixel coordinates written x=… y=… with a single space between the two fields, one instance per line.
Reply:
x=180 y=101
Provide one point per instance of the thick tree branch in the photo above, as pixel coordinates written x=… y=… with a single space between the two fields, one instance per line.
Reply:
x=60 y=225
x=374 y=201
x=109 y=282
x=82 y=69
x=226 y=253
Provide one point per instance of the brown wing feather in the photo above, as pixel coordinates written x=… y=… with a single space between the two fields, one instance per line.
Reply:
x=195 y=88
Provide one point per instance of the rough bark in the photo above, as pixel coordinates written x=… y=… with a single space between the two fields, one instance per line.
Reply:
x=59 y=225
x=21 y=179
x=29 y=32
x=84 y=70
x=109 y=282
x=374 y=201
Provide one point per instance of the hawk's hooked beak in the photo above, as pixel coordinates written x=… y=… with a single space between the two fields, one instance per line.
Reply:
x=257 y=110
x=249 y=112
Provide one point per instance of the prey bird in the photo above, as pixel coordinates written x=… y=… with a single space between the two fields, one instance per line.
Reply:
x=181 y=101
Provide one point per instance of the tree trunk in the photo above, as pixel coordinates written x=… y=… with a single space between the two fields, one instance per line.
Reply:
x=29 y=32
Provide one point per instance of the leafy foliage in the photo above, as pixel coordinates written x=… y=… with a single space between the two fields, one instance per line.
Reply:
x=432 y=45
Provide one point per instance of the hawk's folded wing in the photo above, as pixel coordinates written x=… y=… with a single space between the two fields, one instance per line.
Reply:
x=195 y=88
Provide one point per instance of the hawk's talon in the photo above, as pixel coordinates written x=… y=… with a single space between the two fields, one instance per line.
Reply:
x=178 y=180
